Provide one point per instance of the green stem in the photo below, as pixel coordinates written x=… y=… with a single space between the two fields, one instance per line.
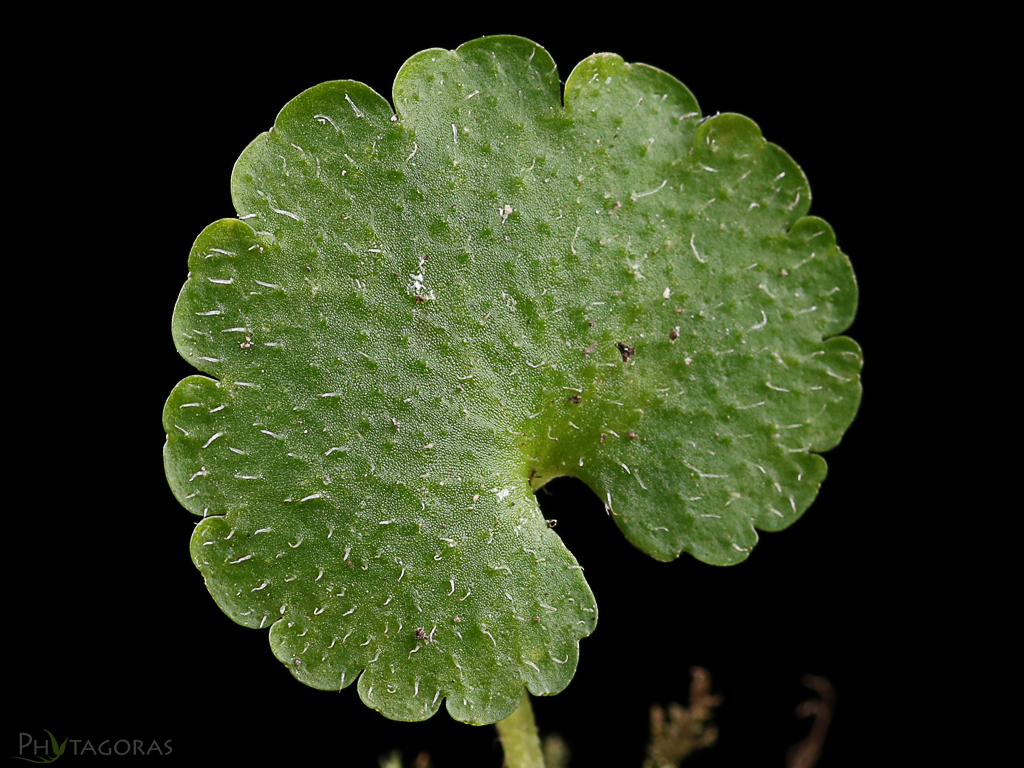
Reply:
x=519 y=739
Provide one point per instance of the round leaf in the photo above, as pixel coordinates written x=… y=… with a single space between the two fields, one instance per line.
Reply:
x=421 y=316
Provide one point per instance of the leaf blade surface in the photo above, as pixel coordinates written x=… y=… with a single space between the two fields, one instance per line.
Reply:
x=421 y=316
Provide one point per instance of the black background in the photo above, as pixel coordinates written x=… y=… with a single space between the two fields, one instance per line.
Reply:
x=111 y=632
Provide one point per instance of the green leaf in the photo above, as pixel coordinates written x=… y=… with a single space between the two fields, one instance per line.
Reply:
x=420 y=317
x=58 y=750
